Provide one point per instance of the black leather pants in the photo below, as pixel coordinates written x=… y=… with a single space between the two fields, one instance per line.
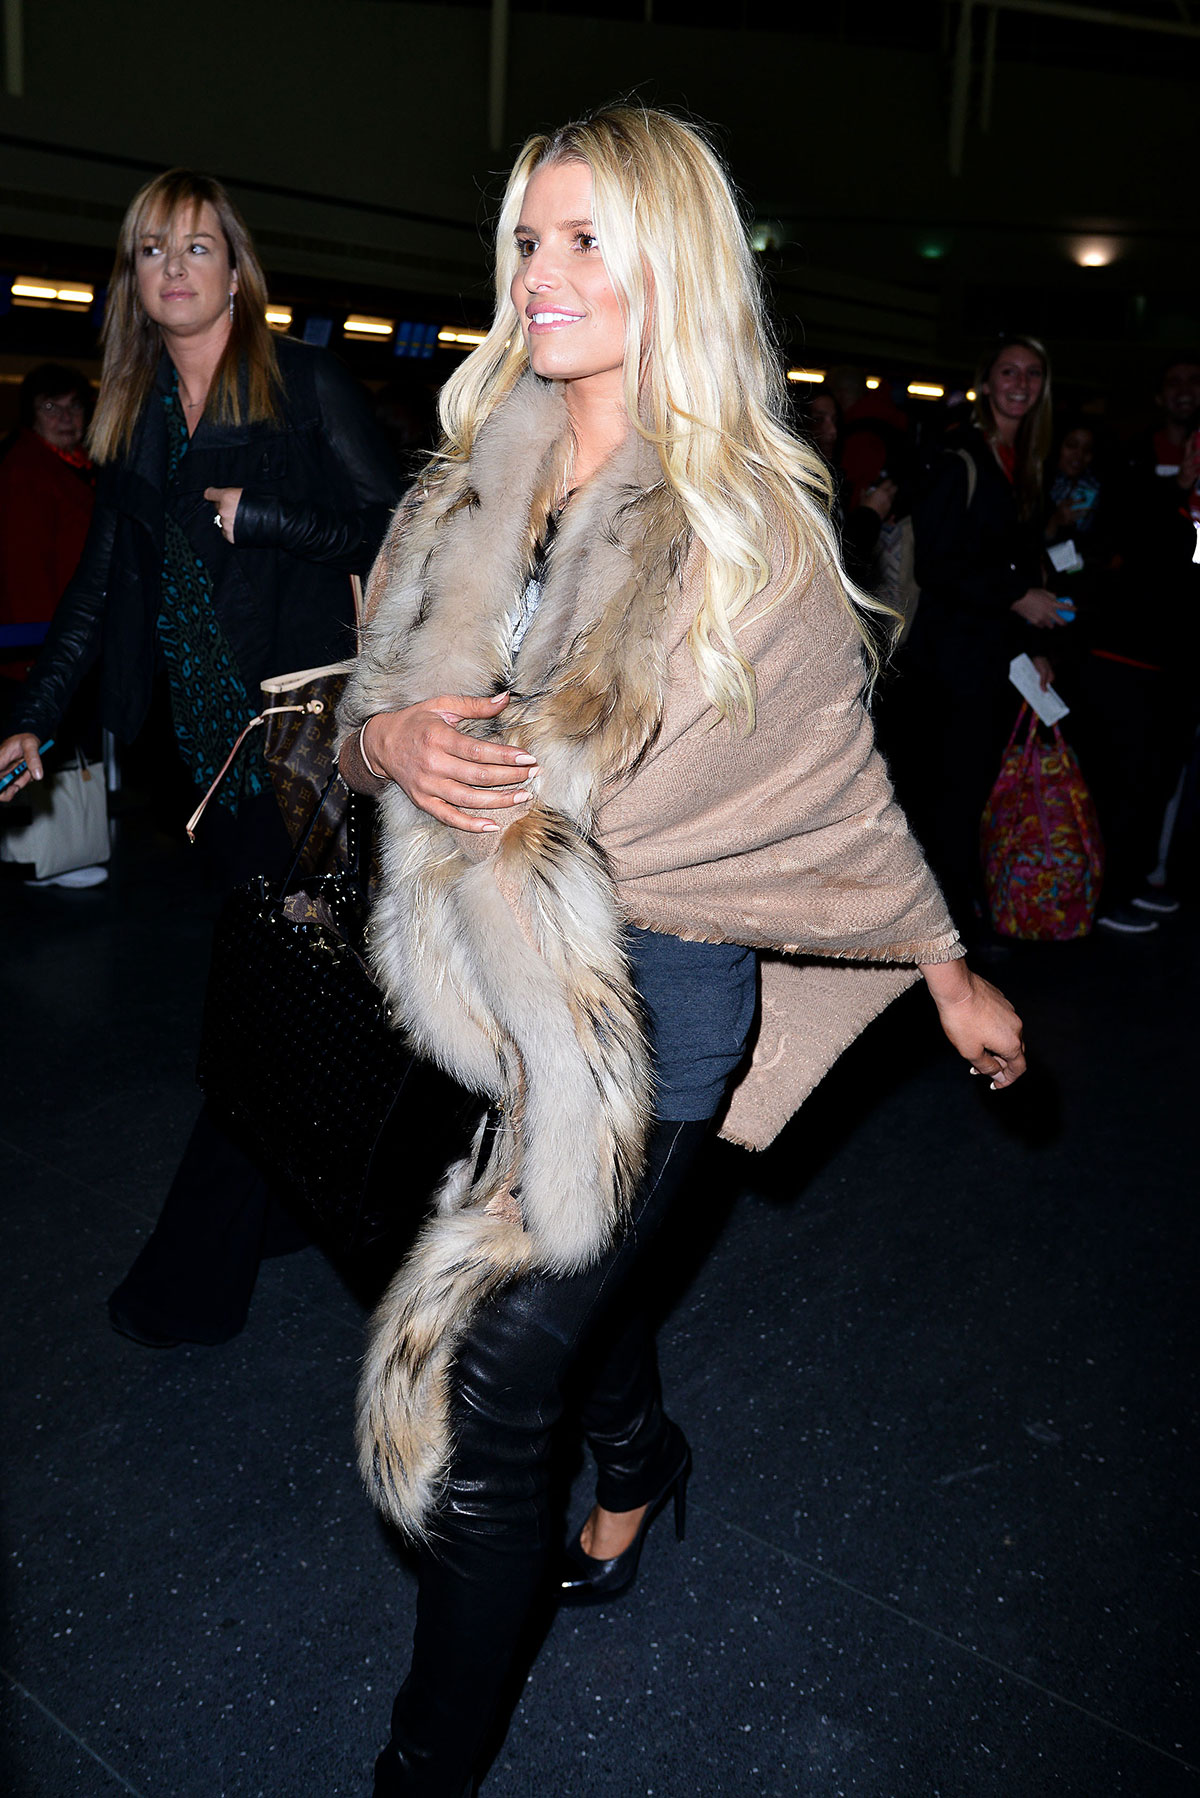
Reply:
x=487 y=1561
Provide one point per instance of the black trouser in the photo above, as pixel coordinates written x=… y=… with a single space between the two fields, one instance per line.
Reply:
x=1134 y=728
x=195 y=1276
x=944 y=738
x=491 y=1540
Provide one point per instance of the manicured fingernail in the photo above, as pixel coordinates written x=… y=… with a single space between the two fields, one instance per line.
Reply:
x=489 y=827
x=994 y=1087
x=525 y=761
x=519 y=798
x=974 y=1070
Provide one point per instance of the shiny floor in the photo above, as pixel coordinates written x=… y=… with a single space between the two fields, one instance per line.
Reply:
x=935 y=1353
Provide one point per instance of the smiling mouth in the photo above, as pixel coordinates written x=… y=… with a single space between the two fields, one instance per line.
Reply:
x=550 y=320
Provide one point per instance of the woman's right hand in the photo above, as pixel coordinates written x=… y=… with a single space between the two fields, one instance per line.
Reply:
x=21 y=748
x=881 y=498
x=1062 y=519
x=445 y=773
x=1038 y=607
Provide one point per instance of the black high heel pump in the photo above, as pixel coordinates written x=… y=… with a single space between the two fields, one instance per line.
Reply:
x=587 y=1580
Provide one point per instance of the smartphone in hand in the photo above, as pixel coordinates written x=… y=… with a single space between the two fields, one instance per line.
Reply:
x=22 y=767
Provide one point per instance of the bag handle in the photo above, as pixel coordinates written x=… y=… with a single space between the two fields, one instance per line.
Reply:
x=972 y=474
x=315 y=706
x=1016 y=727
x=356 y=592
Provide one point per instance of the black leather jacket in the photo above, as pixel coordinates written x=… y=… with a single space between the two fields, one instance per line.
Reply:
x=972 y=561
x=318 y=488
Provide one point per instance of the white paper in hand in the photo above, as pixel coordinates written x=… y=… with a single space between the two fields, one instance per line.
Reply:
x=1028 y=682
x=1064 y=557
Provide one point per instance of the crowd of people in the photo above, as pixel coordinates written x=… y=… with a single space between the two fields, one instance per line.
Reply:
x=598 y=627
x=1020 y=532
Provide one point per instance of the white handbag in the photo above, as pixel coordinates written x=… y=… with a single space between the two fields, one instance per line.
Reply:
x=70 y=822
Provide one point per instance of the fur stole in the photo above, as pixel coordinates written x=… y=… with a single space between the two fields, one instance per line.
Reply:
x=502 y=954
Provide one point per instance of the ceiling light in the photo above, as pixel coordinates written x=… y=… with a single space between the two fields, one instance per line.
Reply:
x=872 y=382
x=359 y=325
x=468 y=339
x=1094 y=252
x=766 y=234
x=806 y=374
x=279 y=318
x=926 y=390
x=970 y=395
x=29 y=290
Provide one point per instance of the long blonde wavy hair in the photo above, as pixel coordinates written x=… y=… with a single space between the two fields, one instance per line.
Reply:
x=702 y=379
x=133 y=343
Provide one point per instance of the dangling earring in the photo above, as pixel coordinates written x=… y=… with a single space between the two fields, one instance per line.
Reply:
x=231 y=305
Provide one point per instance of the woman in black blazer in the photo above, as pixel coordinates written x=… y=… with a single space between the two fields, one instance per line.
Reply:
x=242 y=482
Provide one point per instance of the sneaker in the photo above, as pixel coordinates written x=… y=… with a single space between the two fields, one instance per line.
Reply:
x=1127 y=921
x=94 y=876
x=1157 y=899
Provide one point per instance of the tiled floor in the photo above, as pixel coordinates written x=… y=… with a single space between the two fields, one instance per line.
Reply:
x=936 y=1368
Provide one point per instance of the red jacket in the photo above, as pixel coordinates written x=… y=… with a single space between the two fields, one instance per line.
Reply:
x=45 y=510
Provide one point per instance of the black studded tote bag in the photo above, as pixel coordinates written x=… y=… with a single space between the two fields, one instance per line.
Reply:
x=301 y=1063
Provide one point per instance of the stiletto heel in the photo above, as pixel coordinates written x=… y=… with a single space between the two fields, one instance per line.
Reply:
x=586 y=1580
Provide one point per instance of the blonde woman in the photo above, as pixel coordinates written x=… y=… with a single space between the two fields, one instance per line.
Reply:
x=611 y=704
x=241 y=481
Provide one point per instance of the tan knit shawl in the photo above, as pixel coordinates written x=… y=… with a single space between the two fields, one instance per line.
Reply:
x=503 y=953
x=787 y=838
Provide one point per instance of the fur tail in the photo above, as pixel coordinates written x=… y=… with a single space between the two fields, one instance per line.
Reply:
x=404 y=1445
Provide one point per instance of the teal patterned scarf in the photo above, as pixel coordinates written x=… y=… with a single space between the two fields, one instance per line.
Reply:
x=209 y=701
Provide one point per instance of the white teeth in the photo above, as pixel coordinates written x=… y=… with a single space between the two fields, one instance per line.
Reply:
x=553 y=318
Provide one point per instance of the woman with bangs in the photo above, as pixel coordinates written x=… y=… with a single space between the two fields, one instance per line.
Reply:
x=638 y=851
x=241 y=483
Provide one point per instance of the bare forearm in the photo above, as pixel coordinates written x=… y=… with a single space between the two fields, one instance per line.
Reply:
x=948 y=981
